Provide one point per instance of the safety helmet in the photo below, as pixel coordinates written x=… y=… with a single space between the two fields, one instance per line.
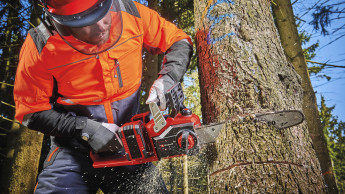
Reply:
x=70 y=16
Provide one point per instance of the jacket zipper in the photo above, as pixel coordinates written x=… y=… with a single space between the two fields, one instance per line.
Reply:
x=118 y=73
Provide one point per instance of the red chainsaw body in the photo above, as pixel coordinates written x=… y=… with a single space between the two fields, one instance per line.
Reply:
x=143 y=144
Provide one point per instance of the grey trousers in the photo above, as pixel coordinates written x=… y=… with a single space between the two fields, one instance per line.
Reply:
x=70 y=171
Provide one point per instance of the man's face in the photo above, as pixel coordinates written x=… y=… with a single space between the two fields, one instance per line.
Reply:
x=96 y=34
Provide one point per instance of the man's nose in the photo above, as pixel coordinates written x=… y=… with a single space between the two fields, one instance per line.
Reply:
x=102 y=25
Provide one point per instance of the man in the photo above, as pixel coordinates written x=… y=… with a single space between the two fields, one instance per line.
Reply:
x=78 y=80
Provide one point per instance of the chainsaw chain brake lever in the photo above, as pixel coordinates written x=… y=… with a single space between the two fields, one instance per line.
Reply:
x=188 y=141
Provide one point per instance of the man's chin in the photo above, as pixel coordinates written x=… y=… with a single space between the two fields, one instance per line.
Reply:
x=100 y=41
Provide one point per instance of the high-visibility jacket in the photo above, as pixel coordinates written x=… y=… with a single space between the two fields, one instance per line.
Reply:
x=103 y=87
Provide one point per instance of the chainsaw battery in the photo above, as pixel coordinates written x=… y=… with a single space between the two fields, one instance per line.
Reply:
x=135 y=140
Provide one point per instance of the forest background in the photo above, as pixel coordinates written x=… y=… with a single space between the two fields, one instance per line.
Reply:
x=321 y=27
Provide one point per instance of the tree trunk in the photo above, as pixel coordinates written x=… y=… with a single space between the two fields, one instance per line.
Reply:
x=20 y=169
x=150 y=65
x=243 y=71
x=150 y=74
x=287 y=28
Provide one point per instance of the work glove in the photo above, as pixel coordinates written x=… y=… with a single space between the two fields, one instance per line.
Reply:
x=102 y=137
x=158 y=90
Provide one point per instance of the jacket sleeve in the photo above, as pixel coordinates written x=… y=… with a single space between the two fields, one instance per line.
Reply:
x=33 y=90
x=57 y=123
x=162 y=36
x=33 y=84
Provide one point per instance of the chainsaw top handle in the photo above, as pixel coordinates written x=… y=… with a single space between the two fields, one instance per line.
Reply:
x=175 y=99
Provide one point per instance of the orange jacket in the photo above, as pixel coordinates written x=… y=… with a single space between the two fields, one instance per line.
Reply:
x=48 y=64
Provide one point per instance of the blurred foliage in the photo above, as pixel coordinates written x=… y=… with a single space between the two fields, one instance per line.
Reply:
x=328 y=18
x=309 y=53
x=325 y=13
x=172 y=173
x=334 y=130
x=192 y=92
x=322 y=18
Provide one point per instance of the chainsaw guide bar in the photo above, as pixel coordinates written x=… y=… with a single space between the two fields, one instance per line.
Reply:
x=280 y=120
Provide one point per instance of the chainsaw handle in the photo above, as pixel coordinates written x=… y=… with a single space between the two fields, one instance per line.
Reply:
x=144 y=117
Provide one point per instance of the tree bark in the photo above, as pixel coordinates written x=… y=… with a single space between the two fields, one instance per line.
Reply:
x=23 y=155
x=243 y=70
x=288 y=32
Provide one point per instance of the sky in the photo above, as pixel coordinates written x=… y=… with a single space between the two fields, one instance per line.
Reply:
x=333 y=90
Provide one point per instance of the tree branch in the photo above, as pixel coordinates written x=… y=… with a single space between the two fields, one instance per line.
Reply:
x=7 y=119
x=2 y=102
x=6 y=84
x=325 y=64
x=6 y=130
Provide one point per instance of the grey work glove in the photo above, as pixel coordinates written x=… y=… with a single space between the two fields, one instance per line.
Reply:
x=158 y=90
x=102 y=137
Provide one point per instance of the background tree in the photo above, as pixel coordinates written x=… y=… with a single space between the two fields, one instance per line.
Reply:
x=151 y=64
x=243 y=70
x=290 y=40
x=22 y=147
x=334 y=131
x=327 y=17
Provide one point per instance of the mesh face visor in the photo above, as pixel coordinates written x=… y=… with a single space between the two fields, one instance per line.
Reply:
x=92 y=31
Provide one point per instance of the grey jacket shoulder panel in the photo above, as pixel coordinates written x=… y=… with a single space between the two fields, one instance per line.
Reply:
x=40 y=36
x=129 y=7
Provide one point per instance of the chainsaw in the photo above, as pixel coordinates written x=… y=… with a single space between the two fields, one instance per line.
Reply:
x=152 y=136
